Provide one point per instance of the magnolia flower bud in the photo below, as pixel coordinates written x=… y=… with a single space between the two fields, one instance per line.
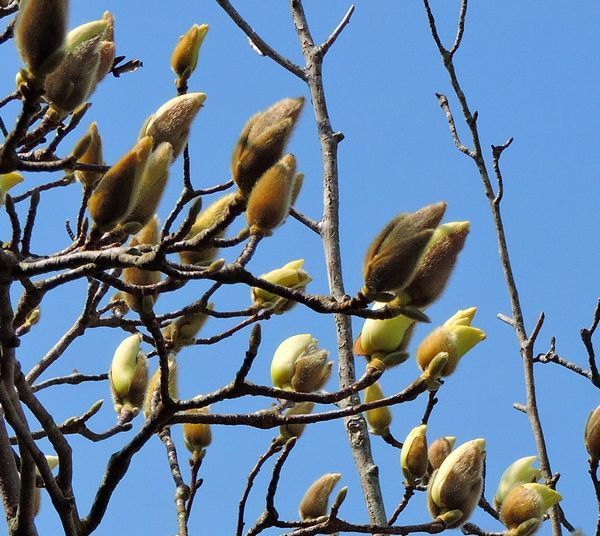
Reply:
x=151 y=185
x=287 y=431
x=455 y=336
x=393 y=256
x=7 y=181
x=592 y=434
x=92 y=155
x=40 y=33
x=517 y=473
x=128 y=377
x=439 y=450
x=208 y=218
x=185 y=53
x=298 y=182
x=107 y=47
x=262 y=141
x=196 y=436
x=291 y=276
x=437 y=263
x=172 y=121
x=413 y=456
x=298 y=365
x=111 y=200
x=379 y=338
x=182 y=331
x=135 y=276
x=524 y=507
x=153 y=390
x=269 y=200
x=52 y=462
x=379 y=419
x=315 y=501
x=455 y=488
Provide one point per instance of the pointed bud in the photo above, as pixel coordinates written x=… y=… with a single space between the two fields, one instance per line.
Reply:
x=183 y=330
x=172 y=121
x=262 y=141
x=153 y=390
x=413 y=456
x=290 y=275
x=456 y=337
x=379 y=419
x=517 y=473
x=458 y=483
x=196 y=436
x=298 y=365
x=269 y=200
x=592 y=434
x=128 y=377
x=439 y=450
x=287 y=431
x=7 y=181
x=524 y=507
x=393 y=256
x=92 y=155
x=107 y=47
x=40 y=33
x=208 y=218
x=298 y=182
x=151 y=185
x=316 y=499
x=111 y=200
x=185 y=54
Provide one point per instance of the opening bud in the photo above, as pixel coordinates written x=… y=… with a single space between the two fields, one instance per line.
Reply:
x=524 y=507
x=517 y=473
x=413 y=456
x=592 y=434
x=185 y=54
x=291 y=276
x=315 y=502
x=379 y=419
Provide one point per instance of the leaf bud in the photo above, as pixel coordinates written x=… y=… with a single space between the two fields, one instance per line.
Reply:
x=128 y=377
x=517 y=473
x=269 y=200
x=379 y=419
x=455 y=336
x=40 y=32
x=91 y=155
x=524 y=507
x=434 y=371
x=439 y=450
x=457 y=484
x=291 y=276
x=316 y=499
x=172 y=121
x=153 y=391
x=393 y=256
x=592 y=434
x=196 y=436
x=111 y=200
x=183 y=330
x=7 y=181
x=437 y=263
x=298 y=365
x=287 y=431
x=413 y=456
x=262 y=141
x=185 y=54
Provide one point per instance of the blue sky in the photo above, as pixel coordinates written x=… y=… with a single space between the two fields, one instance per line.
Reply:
x=529 y=68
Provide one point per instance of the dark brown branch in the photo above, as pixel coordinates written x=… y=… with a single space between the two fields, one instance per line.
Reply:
x=594 y=476
x=29 y=223
x=308 y=222
x=409 y=491
x=75 y=378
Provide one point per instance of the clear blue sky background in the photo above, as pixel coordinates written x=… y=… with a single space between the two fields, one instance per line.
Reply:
x=529 y=68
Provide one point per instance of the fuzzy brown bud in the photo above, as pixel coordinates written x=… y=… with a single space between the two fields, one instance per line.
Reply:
x=92 y=155
x=439 y=450
x=524 y=507
x=413 y=456
x=315 y=501
x=196 y=436
x=185 y=54
x=183 y=330
x=287 y=431
x=107 y=47
x=153 y=391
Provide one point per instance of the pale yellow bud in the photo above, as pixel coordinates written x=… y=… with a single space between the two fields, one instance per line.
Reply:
x=379 y=419
x=196 y=436
x=185 y=54
x=290 y=275
x=413 y=456
x=517 y=473
x=7 y=181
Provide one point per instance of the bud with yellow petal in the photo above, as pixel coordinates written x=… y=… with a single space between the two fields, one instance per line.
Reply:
x=270 y=199
x=298 y=365
x=182 y=331
x=455 y=488
x=439 y=450
x=92 y=155
x=262 y=141
x=393 y=256
x=437 y=263
x=517 y=473
x=413 y=456
x=128 y=377
x=153 y=390
x=172 y=121
x=379 y=419
x=111 y=200
x=151 y=185
x=524 y=507
x=208 y=218
x=287 y=431
x=7 y=181
x=455 y=336
x=291 y=276
x=40 y=33
x=196 y=436
x=315 y=502
x=185 y=54
x=592 y=434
